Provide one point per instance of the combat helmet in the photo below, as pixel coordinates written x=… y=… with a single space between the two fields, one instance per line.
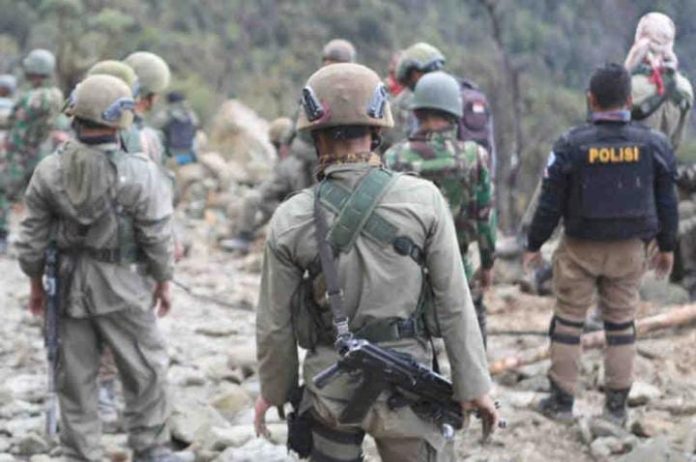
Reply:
x=280 y=130
x=438 y=90
x=119 y=70
x=339 y=51
x=152 y=71
x=344 y=94
x=8 y=82
x=103 y=99
x=39 y=62
x=421 y=57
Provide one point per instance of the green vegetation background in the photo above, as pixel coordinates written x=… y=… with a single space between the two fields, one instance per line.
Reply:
x=532 y=57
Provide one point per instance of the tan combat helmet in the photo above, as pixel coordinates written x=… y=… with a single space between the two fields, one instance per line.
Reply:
x=344 y=94
x=116 y=69
x=338 y=51
x=420 y=56
x=280 y=130
x=103 y=99
x=152 y=72
x=39 y=62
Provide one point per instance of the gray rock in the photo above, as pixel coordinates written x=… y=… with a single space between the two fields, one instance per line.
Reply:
x=231 y=401
x=601 y=428
x=662 y=292
x=4 y=457
x=257 y=450
x=219 y=439
x=650 y=425
x=186 y=376
x=603 y=447
x=642 y=393
x=192 y=420
x=654 y=450
x=31 y=444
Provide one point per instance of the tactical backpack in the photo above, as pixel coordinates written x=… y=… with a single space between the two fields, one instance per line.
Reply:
x=476 y=123
x=179 y=133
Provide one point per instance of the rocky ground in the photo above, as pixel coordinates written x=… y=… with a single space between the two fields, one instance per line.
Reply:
x=213 y=380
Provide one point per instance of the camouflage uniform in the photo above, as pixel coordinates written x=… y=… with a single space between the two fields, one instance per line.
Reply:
x=110 y=217
x=6 y=104
x=30 y=125
x=460 y=170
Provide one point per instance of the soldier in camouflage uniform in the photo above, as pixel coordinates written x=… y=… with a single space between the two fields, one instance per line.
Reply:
x=414 y=62
x=30 y=125
x=8 y=85
x=381 y=284
x=293 y=173
x=458 y=168
x=109 y=214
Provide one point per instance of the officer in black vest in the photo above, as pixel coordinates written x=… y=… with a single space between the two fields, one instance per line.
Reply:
x=612 y=182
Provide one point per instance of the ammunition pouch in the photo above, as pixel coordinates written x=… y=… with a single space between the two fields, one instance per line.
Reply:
x=299 y=426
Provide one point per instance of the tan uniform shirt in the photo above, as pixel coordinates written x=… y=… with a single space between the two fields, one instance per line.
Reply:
x=377 y=282
x=76 y=196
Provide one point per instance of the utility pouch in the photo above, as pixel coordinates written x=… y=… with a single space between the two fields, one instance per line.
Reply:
x=299 y=426
x=311 y=321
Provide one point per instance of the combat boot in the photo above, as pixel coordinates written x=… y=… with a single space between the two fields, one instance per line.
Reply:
x=108 y=411
x=558 y=405
x=157 y=454
x=615 y=410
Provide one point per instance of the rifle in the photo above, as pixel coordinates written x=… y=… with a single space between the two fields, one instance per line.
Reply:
x=429 y=394
x=51 y=339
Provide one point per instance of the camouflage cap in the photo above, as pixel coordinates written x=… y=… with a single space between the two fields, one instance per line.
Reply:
x=8 y=82
x=344 y=94
x=39 y=62
x=339 y=51
x=103 y=99
x=438 y=90
x=152 y=71
x=420 y=56
x=280 y=130
x=116 y=69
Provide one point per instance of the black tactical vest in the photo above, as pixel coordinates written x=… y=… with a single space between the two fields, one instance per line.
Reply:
x=611 y=182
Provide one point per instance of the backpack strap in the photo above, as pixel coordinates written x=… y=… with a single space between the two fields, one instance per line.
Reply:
x=355 y=210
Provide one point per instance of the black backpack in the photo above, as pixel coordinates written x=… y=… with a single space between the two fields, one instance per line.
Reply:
x=179 y=133
x=476 y=124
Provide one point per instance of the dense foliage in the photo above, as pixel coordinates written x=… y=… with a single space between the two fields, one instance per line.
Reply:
x=533 y=57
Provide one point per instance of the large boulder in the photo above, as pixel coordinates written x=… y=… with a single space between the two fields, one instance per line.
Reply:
x=241 y=138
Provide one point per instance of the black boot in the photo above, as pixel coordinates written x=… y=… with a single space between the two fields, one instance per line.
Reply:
x=615 y=410
x=558 y=405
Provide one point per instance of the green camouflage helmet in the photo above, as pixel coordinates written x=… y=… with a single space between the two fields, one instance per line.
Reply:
x=152 y=71
x=339 y=51
x=280 y=130
x=421 y=57
x=103 y=99
x=116 y=69
x=344 y=94
x=39 y=62
x=438 y=90
x=8 y=82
